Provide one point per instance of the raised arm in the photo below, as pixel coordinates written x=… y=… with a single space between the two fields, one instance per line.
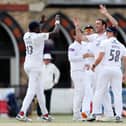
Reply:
x=56 y=29
x=103 y=10
x=78 y=33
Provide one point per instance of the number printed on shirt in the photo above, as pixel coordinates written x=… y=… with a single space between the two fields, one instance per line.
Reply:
x=114 y=55
x=29 y=50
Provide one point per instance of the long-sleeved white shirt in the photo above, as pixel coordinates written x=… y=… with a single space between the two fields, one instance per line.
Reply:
x=75 y=56
x=50 y=75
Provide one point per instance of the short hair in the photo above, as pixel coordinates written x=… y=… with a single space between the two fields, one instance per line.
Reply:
x=33 y=25
x=103 y=22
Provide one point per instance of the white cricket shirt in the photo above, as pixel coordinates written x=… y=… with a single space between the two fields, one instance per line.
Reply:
x=114 y=51
x=96 y=40
x=34 y=43
x=75 y=56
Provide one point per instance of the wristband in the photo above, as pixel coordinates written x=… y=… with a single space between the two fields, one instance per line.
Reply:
x=93 y=65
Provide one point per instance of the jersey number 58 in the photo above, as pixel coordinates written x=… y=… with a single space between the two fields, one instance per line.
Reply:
x=114 y=55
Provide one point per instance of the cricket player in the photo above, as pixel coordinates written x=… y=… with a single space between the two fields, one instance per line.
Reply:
x=76 y=56
x=34 y=43
x=110 y=56
x=88 y=30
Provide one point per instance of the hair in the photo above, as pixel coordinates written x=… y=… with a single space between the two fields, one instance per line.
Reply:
x=103 y=22
x=112 y=29
x=33 y=26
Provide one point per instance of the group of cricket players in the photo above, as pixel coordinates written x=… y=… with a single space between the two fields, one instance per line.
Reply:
x=96 y=58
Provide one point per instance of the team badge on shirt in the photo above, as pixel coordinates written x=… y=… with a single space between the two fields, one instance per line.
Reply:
x=71 y=49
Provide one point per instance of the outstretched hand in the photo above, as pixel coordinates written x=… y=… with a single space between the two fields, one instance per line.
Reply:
x=57 y=17
x=103 y=9
x=76 y=21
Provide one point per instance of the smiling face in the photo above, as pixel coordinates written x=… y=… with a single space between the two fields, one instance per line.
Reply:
x=99 y=26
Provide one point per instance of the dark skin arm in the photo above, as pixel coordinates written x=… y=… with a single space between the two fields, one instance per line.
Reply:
x=56 y=29
x=55 y=32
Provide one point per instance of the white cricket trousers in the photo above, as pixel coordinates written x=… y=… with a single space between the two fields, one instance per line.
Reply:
x=82 y=95
x=35 y=87
x=106 y=100
x=109 y=76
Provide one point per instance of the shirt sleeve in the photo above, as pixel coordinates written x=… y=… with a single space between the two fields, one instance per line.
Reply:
x=124 y=51
x=41 y=37
x=45 y=35
x=56 y=74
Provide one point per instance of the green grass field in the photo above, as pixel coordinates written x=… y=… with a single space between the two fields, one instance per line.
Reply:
x=60 y=120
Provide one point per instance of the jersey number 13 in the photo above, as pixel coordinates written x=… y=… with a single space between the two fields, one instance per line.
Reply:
x=29 y=50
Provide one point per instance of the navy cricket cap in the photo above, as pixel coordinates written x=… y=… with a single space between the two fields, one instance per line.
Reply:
x=33 y=25
x=111 y=29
